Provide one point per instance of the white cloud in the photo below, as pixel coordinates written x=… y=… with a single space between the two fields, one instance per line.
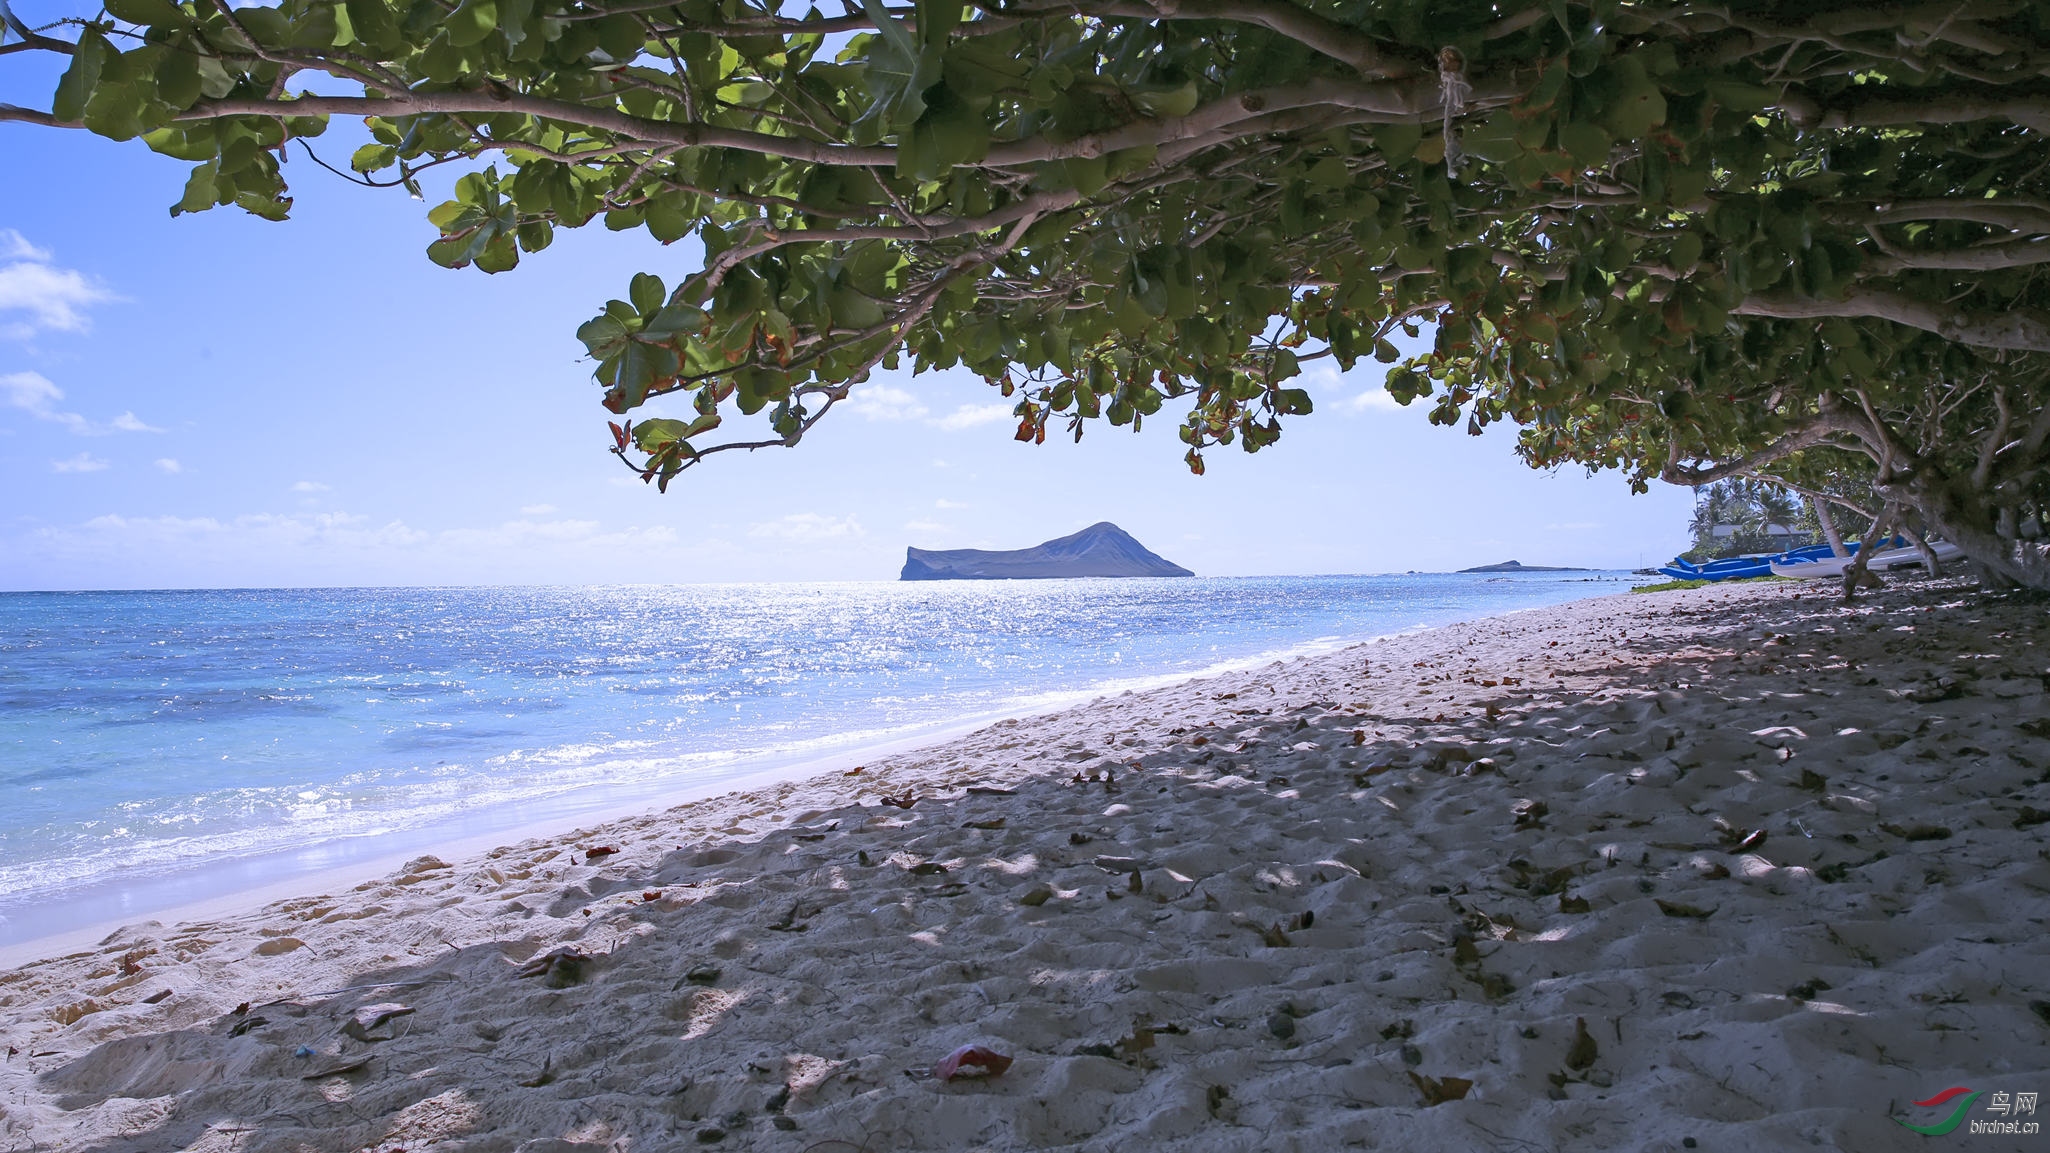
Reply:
x=890 y=403
x=51 y=298
x=537 y=509
x=924 y=527
x=943 y=502
x=166 y=464
x=15 y=246
x=273 y=532
x=1375 y=397
x=33 y=393
x=79 y=463
x=1325 y=382
x=971 y=415
x=884 y=402
x=809 y=526
x=309 y=486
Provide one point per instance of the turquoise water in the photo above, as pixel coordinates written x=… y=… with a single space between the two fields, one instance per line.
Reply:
x=147 y=737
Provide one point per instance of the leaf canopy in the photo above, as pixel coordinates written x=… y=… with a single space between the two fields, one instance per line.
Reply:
x=1679 y=239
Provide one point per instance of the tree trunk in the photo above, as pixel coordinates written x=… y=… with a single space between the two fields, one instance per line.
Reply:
x=1921 y=543
x=1828 y=523
x=1967 y=520
x=1858 y=574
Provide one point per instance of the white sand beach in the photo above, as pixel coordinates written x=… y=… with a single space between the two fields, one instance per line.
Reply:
x=1718 y=869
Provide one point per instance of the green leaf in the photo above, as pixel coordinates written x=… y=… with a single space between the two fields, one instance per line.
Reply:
x=1686 y=251
x=646 y=293
x=1587 y=143
x=155 y=13
x=373 y=157
x=178 y=80
x=201 y=189
x=471 y=22
x=1398 y=142
x=372 y=23
x=82 y=77
x=1087 y=174
x=604 y=336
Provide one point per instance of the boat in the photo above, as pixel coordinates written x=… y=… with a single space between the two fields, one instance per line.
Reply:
x=1739 y=567
x=1769 y=564
x=1834 y=566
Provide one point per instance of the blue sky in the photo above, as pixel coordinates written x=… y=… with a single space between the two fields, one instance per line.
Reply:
x=216 y=400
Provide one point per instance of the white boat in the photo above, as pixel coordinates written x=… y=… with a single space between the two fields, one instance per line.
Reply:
x=1893 y=558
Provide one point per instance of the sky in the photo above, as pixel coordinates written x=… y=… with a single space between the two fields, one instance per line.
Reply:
x=217 y=400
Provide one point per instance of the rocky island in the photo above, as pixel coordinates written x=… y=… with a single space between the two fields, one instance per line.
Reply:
x=1519 y=566
x=1101 y=550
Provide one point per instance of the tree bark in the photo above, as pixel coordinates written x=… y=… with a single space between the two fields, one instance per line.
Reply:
x=1828 y=523
x=1968 y=521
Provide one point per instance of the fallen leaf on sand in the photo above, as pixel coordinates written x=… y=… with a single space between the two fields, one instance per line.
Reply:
x=546 y=1075
x=1583 y=1051
x=1273 y=937
x=593 y=853
x=1438 y=1090
x=559 y=967
x=1676 y=909
x=1529 y=814
x=355 y=1066
x=970 y=1062
x=987 y=791
x=927 y=869
x=1138 y=1041
x=1572 y=904
x=904 y=802
x=369 y=1017
x=1918 y=832
x=855 y=771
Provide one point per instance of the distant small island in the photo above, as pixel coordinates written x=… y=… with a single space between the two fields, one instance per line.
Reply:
x=1519 y=566
x=1101 y=550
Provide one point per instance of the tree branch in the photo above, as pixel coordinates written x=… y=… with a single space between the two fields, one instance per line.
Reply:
x=2026 y=329
x=1985 y=258
x=1949 y=108
x=34 y=116
x=2014 y=213
x=1818 y=428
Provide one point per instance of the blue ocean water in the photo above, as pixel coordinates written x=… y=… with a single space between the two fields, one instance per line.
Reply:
x=145 y=734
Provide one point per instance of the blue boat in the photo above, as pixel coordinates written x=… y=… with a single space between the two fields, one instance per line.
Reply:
x=1746 y=567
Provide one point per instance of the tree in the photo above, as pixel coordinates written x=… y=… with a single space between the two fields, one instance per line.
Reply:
x=1685 y=240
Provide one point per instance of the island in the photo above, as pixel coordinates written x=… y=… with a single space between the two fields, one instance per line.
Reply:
x=1519 y=566
x=1101 y=550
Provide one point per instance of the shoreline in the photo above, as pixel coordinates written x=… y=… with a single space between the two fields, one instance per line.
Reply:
x=210 y=888
x=1740 y=867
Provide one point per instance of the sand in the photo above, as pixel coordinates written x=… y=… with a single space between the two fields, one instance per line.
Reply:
x=1716 y=869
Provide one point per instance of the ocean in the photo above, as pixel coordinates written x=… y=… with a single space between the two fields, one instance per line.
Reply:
x=162 y=747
